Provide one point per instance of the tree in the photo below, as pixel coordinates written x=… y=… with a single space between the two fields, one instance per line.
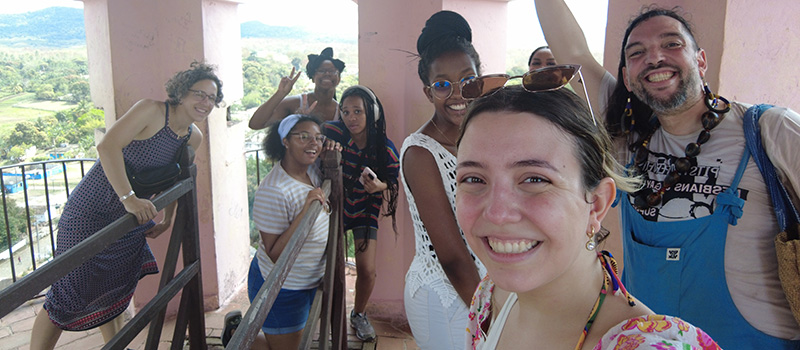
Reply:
x=26 y=132
x=45 y=92
x=79 y=91
x=17 y=223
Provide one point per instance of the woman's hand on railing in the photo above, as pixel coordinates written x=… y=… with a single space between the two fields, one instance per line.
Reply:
x=143 y=209
x=331 y=145
x=317 y=194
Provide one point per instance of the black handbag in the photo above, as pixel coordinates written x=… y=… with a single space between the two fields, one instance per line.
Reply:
x=148 y=182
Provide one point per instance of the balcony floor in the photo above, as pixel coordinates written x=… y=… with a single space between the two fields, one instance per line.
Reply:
x=15 y=328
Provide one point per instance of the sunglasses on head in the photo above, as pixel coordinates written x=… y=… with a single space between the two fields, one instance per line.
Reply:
x=543 y=79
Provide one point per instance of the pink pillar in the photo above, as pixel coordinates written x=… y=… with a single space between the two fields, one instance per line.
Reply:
x=134 y=47
x=388 y=31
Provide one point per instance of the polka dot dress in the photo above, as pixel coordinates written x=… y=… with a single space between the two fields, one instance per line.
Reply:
x=101 y=288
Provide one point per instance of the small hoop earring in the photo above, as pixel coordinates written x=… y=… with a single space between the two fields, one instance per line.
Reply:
x=591 y=244
x=628 y=113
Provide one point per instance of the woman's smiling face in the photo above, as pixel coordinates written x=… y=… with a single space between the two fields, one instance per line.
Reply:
x=520 y=199
x=454 y=67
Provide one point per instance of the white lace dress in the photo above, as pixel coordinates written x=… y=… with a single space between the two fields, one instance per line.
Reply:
x=425 y=269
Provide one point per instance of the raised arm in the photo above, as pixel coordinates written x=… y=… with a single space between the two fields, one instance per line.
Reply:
x=568 y=43
x=437 y=215
x=276 y=107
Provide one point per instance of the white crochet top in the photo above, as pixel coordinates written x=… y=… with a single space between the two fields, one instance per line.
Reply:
x=425 y=269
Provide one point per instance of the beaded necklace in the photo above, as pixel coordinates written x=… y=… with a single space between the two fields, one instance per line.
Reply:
x=611 y=284
x=648 y=197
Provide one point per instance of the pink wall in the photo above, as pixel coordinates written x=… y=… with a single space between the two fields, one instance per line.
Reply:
x=388 y=32
x=762 y=51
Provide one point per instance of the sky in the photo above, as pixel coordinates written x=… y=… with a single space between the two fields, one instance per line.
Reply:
x=591 y=14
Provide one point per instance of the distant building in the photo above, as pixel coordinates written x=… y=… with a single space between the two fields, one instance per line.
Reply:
x=12 y=184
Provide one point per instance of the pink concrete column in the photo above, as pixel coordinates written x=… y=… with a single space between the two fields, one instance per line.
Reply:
x=134 y=48
x=388 y=31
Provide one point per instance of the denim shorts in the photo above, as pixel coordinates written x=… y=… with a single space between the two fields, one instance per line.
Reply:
x=289 y=312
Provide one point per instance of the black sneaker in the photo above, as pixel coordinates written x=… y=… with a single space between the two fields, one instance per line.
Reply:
x=232 y=320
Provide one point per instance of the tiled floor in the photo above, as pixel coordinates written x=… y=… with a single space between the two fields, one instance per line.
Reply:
x=15 y=329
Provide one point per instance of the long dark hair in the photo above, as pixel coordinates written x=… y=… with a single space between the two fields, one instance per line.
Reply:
x=375 y=152
x=530 y=59
x=642 y=113
x=444 y=32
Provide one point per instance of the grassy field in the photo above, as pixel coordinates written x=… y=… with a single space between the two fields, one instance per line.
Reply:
x=25 y=106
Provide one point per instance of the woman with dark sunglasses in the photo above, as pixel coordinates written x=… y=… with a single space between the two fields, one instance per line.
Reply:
x=444 y=272
x=325 y=71
x=533 y=216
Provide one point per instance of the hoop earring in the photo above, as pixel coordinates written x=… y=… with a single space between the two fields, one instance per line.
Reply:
x=591 y=243
x=628 y=113
x=712 y=100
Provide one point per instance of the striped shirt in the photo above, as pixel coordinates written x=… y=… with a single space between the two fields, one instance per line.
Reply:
x=361 y=209
x=278 y=201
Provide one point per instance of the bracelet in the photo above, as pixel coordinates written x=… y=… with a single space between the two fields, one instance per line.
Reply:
x=129 y=195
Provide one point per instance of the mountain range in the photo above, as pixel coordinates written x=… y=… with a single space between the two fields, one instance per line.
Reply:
x=60 y=27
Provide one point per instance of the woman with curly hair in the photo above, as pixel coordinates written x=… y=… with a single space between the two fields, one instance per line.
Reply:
x=148 y=136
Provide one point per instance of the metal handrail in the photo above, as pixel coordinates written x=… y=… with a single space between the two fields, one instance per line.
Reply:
x=27 y=177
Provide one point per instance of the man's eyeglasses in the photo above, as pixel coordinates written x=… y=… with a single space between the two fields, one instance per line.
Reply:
x=201 y=96
x=306 y=137
x=543 y=79
x=443 y=89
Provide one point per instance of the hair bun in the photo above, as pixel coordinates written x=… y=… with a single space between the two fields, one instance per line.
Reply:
x=441 y=25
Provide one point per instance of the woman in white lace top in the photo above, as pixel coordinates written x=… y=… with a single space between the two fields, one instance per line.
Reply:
x=444 y=272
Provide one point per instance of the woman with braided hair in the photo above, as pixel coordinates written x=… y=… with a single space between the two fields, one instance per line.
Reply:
x=369 y=169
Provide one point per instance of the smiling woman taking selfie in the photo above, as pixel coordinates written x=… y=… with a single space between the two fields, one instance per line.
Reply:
x=148 y=136
x=533 y=216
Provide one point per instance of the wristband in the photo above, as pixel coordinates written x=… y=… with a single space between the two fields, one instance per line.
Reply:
x=129 y=195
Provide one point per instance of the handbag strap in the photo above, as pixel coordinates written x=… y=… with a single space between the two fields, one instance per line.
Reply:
x=785 y=211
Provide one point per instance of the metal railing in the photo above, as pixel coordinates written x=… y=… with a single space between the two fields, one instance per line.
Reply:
x=330 y=309
x=24 y=178
x=184 y=236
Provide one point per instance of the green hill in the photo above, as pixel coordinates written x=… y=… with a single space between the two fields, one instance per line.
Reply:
x=62 y=27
